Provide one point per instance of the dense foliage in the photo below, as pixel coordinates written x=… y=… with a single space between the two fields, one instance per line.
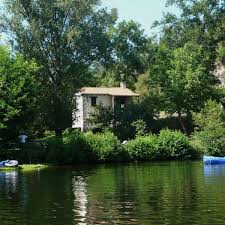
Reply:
x=210 y=130
x=105 y=147
x=73 y=148
x=132 y=52
x=134 y=119
x=186 y=84
x=76 y=147
x=168 y=145
x=142 y=148
x=79 y=43
x=19 y=91
x=64 y=37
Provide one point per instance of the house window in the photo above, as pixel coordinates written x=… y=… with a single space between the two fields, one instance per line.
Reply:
x=93 y=101
x=120 y=102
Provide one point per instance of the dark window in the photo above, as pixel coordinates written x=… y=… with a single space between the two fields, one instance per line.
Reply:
x=120 y=102
x=93 y=101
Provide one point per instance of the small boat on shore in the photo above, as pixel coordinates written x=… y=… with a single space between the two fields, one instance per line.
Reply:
x=212 y=160
x=9 y=163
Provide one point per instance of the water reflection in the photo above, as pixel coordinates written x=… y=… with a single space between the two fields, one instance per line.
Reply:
x=9 y=180
x=148 y=194
x=80 y=200
x=214 y=173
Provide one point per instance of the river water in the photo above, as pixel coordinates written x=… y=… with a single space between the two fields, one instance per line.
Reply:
x=155 y=194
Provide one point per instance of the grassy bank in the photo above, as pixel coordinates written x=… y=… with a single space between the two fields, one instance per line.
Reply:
x=26 y=167
x=33 y=167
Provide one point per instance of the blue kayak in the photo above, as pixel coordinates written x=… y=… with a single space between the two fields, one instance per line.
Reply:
x=8 y=163
x=212 y=160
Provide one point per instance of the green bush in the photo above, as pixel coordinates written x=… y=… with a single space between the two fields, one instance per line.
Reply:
x=72 y=148
x=142 y=148
x=53 y=149
x=140 y=127
x=76 y=148
x=48 y=133
x=105 y=147
x=174 y=145
x=168 y=145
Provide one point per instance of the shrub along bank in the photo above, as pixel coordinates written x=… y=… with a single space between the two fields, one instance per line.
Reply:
x=77 y=147
x=168 y=145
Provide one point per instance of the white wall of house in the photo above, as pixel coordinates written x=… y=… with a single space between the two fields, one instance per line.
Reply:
x=81 y=114
x=78 y=117
x=104 y=100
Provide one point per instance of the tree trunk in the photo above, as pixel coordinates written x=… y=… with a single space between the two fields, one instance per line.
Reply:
x=182 y=123
x=58 y=132
x=59 y=115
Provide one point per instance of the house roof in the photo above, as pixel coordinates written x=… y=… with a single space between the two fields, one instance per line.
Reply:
x=116 y=91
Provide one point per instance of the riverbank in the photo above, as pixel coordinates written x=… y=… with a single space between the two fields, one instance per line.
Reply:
x=27 y=167
x=77 y=148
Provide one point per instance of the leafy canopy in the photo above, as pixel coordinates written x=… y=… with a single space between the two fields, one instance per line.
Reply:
x=210 y=135
x=18 y=91
x=64 y=37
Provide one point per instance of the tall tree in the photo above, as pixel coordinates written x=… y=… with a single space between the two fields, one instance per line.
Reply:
x=64 y=37
x=210 y=131
x=186 y=83
x=19 y=91
x=199 y=21
x=132 y=51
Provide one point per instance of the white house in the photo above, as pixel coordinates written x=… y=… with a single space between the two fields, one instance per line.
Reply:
x=89 y=97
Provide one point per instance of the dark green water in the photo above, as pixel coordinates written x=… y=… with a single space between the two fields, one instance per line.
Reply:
x=165 y=193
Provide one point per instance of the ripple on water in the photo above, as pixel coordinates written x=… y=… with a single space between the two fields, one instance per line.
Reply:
x=165 y=194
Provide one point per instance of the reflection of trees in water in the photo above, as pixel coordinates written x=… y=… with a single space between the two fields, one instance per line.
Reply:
x=40 y=198
x=100 y=199
x=144 y=193
x=172 y=193
x=50 y=197
x=168 y=193
x=111 y=197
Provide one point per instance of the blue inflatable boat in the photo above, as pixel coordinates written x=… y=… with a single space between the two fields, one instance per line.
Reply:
x=9 y=163
x=212 y=160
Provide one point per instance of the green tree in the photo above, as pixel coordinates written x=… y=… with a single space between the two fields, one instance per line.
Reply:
x=200 y=21
x=186 y=83
x=132 y=51
x=209 y=136
x=140 y=127
x=18 y=92
x=124 y=122
x=150 y=95
x=64 y=37
x=199 y=24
